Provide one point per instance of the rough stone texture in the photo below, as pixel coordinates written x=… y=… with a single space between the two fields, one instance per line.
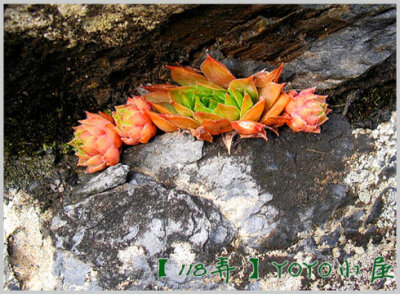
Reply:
x=299 y=197
x=29 y=256
x=191 y=202
x=249 y=186
x=123 y=231
x=112 y=177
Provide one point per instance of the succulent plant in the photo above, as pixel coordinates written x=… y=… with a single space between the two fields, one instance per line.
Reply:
x=205 y=103
x=306 y=111
x=96 y=142
x=212 y=101
x=132 y=123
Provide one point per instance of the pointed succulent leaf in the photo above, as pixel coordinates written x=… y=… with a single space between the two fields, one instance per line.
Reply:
x=158 y=87
x=271 y=94
x=209 y=85
x=182 y=122
x=199 y=106
x=255 y=112
x=200 y=116
x=237 y=96
x=186 y=76
x=276 y=121
x=94 y=160
x=164 y=108
x=277 y=108
x=106 y=116
x=217 y=72
x=277 y=73
x=189 y=99
x=246 y=105
x=245 y=85
x=161 y=122
x=227 y=111
x=216 y=127
x=201 y=134
x=247 y=127
x=95 y=168
x=263 y=78
x=229 y=100
x=157 y=97
x=307 y=91
x=182 y=110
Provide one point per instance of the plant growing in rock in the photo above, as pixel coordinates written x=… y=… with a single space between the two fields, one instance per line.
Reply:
x=207 y=102
x=96 y=142
x=132 y=124
x=218 y=103
x=307 y=111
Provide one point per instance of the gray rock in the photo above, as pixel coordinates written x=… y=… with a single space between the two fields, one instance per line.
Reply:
x=75 y=274
x=109 y=178
x=267 y=190
x=122 y=233
x=330 y=62
x=298 y=197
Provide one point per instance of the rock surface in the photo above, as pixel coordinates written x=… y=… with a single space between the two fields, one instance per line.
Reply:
x=298 y=198
x=190 y=202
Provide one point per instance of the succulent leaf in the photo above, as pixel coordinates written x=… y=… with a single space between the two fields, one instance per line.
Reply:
x=164 y=108
x=229 y=100
x=181 y=122
x=186 y=76
x=161 y=122
x=182 y=110
x=255 y=112
x=238 y=97
x=96 y=142
x=246 y=105
x=277 y=108
x=271 y=93
x=216 y=127
x=217 y=72
x=307 y=111
x=157 y=97
x=227 y=111
x=245 y=85
x=158 y=87
x=200 y=116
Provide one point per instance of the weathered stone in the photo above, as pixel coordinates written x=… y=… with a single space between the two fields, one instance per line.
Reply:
x=111 y=177
x=123 y=232
x=247 y=186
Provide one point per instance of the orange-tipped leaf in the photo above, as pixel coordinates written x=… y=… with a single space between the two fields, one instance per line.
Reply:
x=185 y=76
x=161 y=123
x=216 y=127
x=255 y=112
x=217 y=72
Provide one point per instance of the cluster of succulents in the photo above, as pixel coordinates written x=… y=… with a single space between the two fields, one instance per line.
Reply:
x=206 y=103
